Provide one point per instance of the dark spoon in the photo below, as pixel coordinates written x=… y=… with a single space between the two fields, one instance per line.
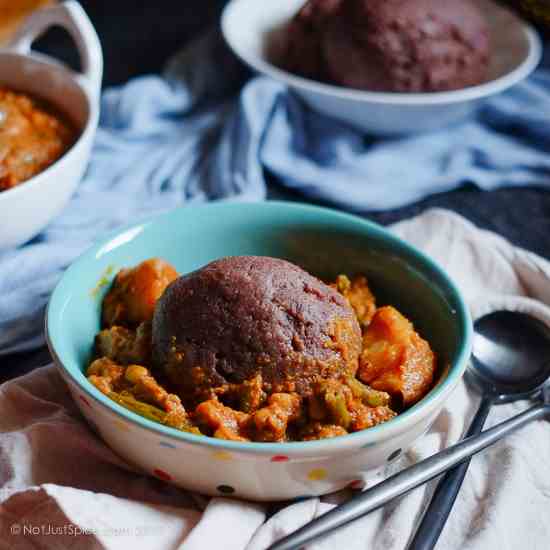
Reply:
x=501 y=346
x=510 y=359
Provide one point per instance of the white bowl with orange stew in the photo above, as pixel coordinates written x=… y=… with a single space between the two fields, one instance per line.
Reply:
x=191 y=452
x=49 y=116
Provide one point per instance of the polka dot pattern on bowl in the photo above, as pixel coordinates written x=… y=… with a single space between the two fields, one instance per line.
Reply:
x=120 y=425
x=279 y=458
x=394 y=455
x=222 y=455
x=225 y=489
x=317 y=474
x=357 y=485
x=161 y=474
x=84 y=400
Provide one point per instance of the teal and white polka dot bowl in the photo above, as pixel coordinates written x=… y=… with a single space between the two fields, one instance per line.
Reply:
x=323 y=242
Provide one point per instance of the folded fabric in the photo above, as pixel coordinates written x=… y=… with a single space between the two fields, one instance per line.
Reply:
x=202 y=133
x=62 y=487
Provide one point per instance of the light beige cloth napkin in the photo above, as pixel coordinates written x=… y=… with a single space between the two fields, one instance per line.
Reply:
x=61 y=487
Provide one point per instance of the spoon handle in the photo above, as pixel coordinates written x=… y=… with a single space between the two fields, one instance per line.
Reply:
x=405 y=480
x=447 y=489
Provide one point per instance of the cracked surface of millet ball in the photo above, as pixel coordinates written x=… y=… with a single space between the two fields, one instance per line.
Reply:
x=391 y=45
x=241 y=316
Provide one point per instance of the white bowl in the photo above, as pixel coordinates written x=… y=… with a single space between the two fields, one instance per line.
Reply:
x=27 y=208
x=254 y=31
x=322 y=241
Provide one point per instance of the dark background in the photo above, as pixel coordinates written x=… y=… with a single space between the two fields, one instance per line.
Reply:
x=139 y=36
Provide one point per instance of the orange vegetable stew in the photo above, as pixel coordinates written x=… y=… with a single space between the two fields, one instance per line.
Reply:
x=33 y=135
x=394 y=370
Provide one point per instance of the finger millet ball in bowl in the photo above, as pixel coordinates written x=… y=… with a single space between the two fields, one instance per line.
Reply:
x=247 y=315
x=390 y=45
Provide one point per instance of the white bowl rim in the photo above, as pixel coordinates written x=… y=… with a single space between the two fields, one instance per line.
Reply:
x=354 y=440
x=485 y=89
x=83 y=131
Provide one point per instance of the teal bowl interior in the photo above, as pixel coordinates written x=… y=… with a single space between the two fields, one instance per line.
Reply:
x=320 y=240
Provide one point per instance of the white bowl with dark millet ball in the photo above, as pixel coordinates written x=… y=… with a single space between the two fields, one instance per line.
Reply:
x=255 y=31
x=323 y=242
x=28 y=207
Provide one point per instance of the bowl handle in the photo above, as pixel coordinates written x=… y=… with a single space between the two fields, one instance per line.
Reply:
x=71 y=17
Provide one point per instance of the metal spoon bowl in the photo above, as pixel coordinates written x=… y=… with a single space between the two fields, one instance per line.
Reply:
x=510 y=361
x=511 y=355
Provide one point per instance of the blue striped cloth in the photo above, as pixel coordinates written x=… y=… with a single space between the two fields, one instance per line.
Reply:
x=203 y=132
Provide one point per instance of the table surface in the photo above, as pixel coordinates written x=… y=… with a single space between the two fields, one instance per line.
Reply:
x=139 y=36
